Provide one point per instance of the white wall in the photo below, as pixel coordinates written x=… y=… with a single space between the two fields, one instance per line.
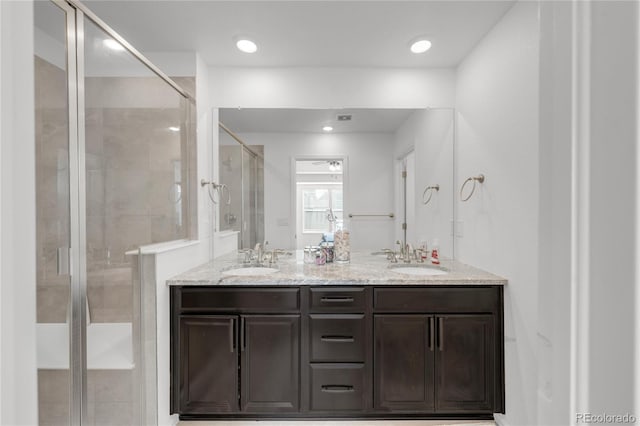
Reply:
x=332 y=87
x=554 y=293
x=430 y=133
x=18 y=383
x=497 y=107
x=589 y=209
x=206 y=162
x=612 y=142
x=368 y=185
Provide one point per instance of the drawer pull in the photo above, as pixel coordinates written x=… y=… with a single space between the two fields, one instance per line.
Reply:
x=337 y=388
x=338 y=339
x=337 y=299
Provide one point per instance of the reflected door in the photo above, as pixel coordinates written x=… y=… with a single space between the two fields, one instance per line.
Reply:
x=405 y=201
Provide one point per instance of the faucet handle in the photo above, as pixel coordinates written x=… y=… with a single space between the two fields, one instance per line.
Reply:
x=248 y=254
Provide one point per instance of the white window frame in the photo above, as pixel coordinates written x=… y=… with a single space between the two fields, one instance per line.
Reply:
x=312 y=187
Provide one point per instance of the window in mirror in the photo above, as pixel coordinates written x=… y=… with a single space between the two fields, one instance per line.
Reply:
x=319 y=204
x=319 y=199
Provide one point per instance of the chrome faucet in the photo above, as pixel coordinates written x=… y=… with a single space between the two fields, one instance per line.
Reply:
x=408 y=250
x=274 y=255
x=248 y=255
x=402 y=253
x=391 y=255
x=260 y=251
x=406 y=254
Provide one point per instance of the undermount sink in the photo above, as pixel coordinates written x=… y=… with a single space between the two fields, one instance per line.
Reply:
x=250 y=271
x=418 y=270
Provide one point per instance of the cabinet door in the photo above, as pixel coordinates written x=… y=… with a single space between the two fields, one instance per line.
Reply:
x=403 y=360
x=270 y=347
x=208 y=364
x=465 y=363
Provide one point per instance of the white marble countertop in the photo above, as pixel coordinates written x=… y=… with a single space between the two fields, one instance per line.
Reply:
x=364 y=269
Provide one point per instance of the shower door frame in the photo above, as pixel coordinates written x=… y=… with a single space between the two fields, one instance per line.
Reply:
x=75 y=14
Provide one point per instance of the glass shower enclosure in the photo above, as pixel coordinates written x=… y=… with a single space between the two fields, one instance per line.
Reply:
x=113 y=149
x=242 y=173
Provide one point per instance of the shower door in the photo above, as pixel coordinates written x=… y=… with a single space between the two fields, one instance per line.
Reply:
x=54 y=106
x=112 y=137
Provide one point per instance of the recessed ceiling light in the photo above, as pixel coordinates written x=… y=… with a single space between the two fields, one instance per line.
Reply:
x=174 y=128
x=113 y=45
x=247 y=46
x=327 y=128
x=420 y=46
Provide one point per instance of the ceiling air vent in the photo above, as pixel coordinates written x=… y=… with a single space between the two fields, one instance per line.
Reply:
x=344 y=117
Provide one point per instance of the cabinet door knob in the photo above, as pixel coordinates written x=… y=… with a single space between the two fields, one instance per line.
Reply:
x=441 y=334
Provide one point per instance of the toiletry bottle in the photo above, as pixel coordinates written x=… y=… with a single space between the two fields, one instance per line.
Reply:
x=423 y=249
x=435 y=257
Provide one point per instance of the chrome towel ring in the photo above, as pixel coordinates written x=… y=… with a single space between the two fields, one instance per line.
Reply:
x=474 y=179
x=219 y=189
x=429 y=189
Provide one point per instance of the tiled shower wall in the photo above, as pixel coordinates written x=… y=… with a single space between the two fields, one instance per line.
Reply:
x=134 y=184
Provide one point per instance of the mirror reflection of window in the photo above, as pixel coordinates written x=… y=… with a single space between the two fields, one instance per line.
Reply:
x=319 y=206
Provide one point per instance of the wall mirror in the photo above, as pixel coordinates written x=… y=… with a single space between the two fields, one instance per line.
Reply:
x=386 y=174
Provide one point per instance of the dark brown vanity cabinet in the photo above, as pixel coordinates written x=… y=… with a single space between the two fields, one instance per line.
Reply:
x=403 y=366
x=465 y=363
x=208 y=372
x=214 y=348
x=339 y=342
x=439 y=350
x=434 y=363
x=227 y=361
x=337 y=351
x=270 y=363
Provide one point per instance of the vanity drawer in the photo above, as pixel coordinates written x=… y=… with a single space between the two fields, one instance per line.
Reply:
x=436 y=299
x=209 y=299
x=337 y=299
x=337 y=338
x=337 y=387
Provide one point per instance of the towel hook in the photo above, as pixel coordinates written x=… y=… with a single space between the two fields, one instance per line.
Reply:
x=474 y=179
x=430 y=190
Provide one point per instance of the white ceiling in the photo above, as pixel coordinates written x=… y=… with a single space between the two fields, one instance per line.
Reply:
x=280 y=120
x=306 y=33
